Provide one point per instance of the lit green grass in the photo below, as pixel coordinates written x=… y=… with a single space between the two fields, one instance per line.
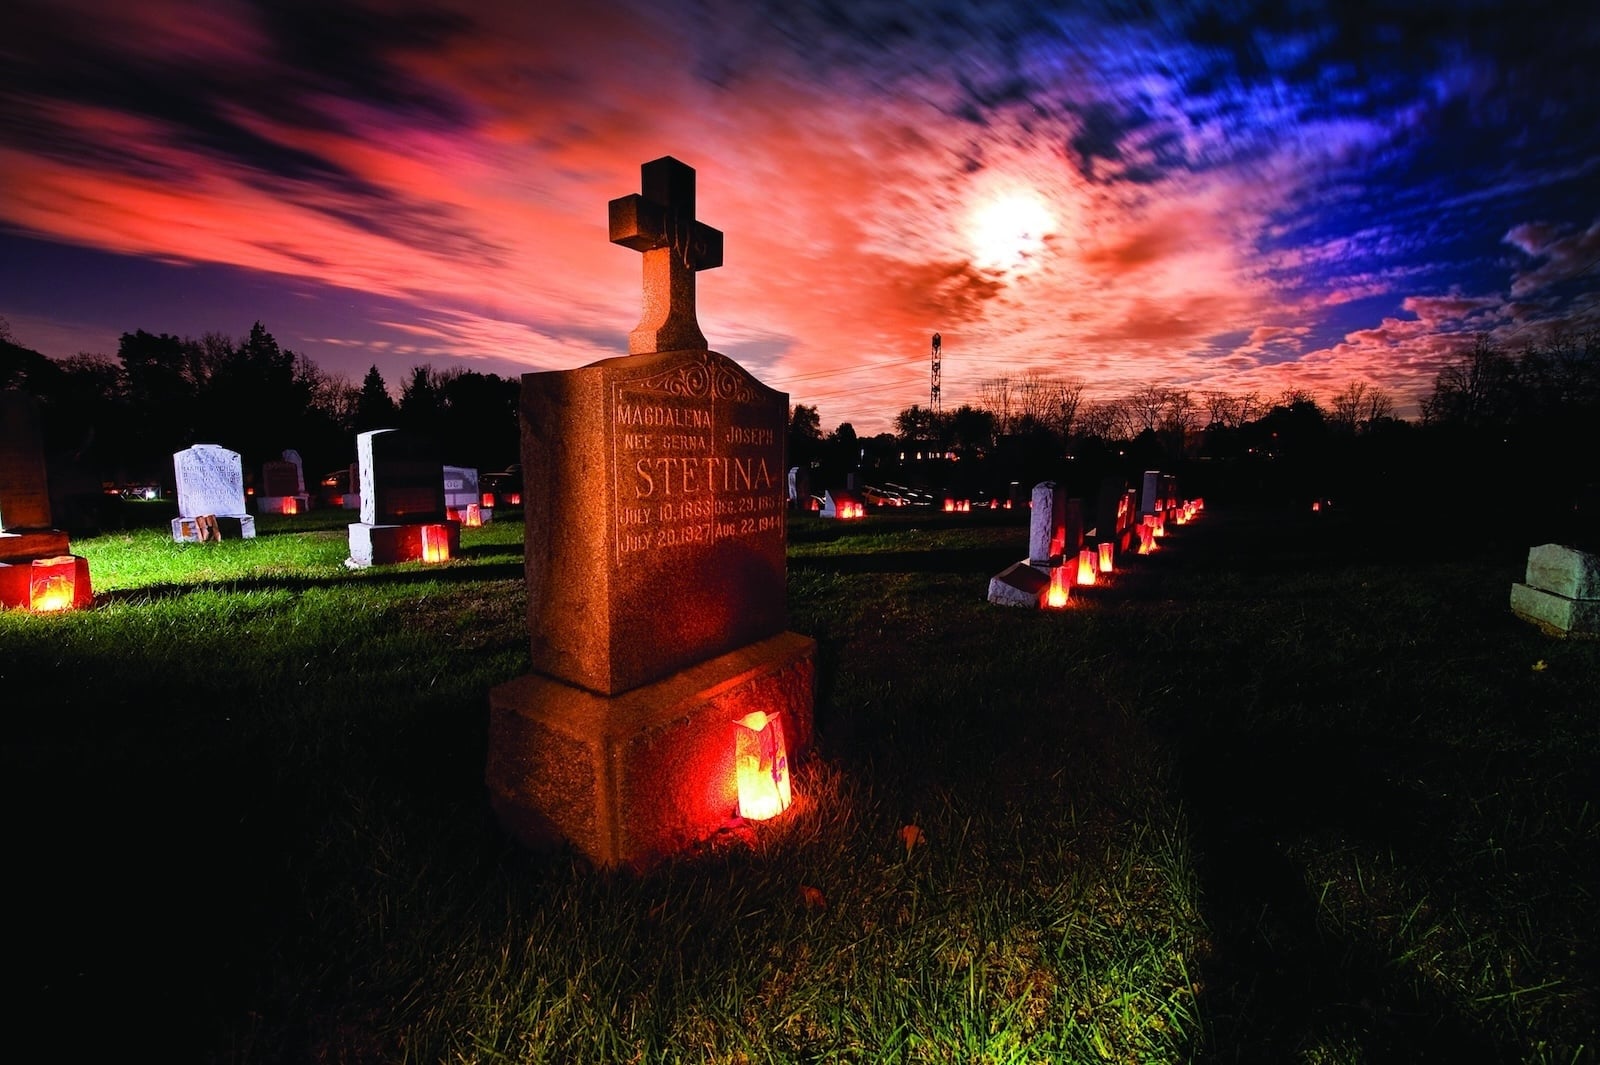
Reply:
x=1271 y=794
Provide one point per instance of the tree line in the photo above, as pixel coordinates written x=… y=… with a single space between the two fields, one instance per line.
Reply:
x=119 y=420
x=1515 y=431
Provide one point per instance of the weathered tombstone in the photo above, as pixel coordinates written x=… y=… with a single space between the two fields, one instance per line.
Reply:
x=655 y=560
x=283 y=487
x=1055 y=532
x=1114 y=516
x=799 y=488
x=1169 y=501
x=292 y=456
x=1562 y=591
x=31 y=550
x=402 y=501
x=839 y=503
x=1072 y=541
x=1047 y=525
x=210 y=481
x=352 y=497
x=1020 y=584
x=463 y=500
x=1150 y=493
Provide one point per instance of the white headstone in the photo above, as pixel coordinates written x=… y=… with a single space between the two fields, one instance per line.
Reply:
x=1047 y=524
x=461 y=487
x=291 y=455
x=210 y=480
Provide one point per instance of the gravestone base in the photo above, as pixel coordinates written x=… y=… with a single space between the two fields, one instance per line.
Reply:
x=1019 y=584
x=485 y=514
x=231 y=526
x=297 y=504
x=1558 y=614
x=1562 y=593
x=29 y=544
x=632 y=778
x=16 y=576
x=384 y=545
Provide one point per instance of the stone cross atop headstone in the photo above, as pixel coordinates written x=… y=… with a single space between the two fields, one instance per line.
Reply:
x=659 y=221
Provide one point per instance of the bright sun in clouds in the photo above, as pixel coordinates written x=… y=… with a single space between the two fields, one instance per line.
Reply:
x=1009 y=229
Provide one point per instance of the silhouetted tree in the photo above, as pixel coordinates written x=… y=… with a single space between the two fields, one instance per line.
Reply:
x=805 y=435
x=157 y=371
x=375 y=408
x=479 y=426
x=1474 y=390
x=422 y=403
x=915 y=426
x=254 y=396
x=972 y=432
x=1359 y=407
x=1146 y=408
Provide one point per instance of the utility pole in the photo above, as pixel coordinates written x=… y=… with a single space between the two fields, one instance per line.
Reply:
x=933 y=387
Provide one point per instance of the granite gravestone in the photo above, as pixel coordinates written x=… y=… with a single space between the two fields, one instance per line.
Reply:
x=292 y=456
x=800 y=497
x=462 y=497
x=1150 y=493
x=1114 y=516
x=654 y=505
x=1072 y=541
x=26 y=533
x=1020 y=584
x=283 y=487
x=210 y=481
x=402 y=499
x=842 y=503
x=1047 y=524
x=1050 y=525
x=1561 y=593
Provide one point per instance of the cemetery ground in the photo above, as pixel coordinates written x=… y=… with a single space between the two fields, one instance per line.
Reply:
x=1297 y=788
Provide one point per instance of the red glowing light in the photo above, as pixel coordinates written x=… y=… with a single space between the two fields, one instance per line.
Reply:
x=1059 y=591
x=52 y=584
x=762 y=766
x=435 y=543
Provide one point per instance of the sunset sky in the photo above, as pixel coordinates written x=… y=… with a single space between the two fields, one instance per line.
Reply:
x=1218 y=196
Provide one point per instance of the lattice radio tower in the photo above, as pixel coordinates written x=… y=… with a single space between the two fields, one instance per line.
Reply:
x=933 y=386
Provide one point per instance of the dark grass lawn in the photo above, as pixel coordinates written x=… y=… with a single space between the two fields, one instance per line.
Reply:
x=1295 y=788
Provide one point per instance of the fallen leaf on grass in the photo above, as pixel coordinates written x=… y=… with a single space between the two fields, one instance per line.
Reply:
x=1540 y=666
x=812 y=898
x=910 y=835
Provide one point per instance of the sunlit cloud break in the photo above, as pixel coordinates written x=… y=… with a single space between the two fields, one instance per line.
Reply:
x=1201 y=196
